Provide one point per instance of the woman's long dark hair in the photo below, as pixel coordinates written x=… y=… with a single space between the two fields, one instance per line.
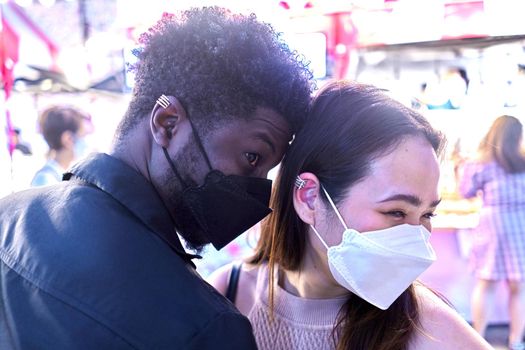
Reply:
x=349 y=125
x=502 y=144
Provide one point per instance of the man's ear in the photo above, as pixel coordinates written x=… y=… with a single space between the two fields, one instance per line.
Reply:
x=165 y=121
x=306 y=197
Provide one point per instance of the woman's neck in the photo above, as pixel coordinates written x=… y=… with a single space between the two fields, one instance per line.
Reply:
x=313 y=280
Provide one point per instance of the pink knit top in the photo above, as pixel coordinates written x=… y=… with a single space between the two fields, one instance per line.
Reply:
x=298 y=323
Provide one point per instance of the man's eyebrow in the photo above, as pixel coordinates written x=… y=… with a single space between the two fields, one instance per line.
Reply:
x=414 y=200
x=265 y=138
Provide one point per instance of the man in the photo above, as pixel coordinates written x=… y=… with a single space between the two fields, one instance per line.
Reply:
x=94 y=262
x=63 y=130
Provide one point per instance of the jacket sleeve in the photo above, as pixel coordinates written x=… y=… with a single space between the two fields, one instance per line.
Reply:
x=227 y=331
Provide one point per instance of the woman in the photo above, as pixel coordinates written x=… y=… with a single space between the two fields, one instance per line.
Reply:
x=499 y=241
x=335 y=263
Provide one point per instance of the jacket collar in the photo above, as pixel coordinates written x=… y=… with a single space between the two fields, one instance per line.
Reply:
x=133 y=191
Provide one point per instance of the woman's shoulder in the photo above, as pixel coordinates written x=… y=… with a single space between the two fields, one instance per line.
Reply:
x=441 y=326
x=220 y=278
x=247 y=283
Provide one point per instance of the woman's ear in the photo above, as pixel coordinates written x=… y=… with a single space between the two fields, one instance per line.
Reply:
x=306 y=197
x=166 y=118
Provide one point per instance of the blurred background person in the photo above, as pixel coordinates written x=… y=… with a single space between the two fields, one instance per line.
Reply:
x=63 y=129
x=498 y=251
x=448 y=91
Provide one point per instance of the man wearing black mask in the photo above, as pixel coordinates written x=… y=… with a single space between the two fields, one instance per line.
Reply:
x=95 y=261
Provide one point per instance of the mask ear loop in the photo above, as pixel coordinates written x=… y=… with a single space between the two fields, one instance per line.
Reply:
x=335 y=208
x=173 y=167
x=319 y=236
x=199 y=143
x=300 y=183
x=164 y=102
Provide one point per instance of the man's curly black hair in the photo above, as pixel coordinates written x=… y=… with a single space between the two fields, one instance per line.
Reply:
x=219 y=65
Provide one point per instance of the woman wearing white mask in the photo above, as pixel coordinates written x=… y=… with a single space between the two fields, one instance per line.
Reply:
x=337 y=259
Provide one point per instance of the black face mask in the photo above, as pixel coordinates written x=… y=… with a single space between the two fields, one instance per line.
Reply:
x=225 y=206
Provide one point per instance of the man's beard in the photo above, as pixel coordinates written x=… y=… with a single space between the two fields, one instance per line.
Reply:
x=185 y=223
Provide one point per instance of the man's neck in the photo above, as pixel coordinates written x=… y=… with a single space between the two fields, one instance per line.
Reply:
x=134 y=150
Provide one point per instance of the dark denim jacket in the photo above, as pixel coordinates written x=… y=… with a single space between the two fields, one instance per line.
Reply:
x=94 y=263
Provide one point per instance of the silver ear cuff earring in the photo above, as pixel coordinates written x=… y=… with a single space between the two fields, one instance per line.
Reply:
x=163 y=101
x=299 y=183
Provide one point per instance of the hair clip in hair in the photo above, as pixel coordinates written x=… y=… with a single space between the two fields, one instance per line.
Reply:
x=299 y=183
x=163 y=101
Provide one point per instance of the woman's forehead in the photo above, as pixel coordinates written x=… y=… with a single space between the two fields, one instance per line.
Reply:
x=411 y=168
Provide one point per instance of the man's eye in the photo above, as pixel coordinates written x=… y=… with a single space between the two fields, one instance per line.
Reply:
x=252 y=158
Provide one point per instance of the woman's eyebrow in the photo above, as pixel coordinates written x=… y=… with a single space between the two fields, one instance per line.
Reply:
x=411 y=199
x=435 y=203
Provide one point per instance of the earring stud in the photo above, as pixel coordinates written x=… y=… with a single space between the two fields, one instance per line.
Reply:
x=299 y=183
x=163 y=101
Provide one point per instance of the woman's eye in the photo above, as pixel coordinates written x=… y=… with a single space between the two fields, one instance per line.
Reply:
x=397 y=214
x=429 y=215
x=252 y=158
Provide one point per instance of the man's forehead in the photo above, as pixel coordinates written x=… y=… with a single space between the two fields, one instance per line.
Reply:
x=263 y=124
x=273 y=121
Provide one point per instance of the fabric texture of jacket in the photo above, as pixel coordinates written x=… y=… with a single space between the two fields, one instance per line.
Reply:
x=94 y=263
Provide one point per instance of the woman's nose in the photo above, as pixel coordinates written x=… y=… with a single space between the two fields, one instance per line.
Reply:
x=413 y=221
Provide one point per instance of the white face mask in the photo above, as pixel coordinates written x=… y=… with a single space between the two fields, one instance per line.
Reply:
x=379 y=265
